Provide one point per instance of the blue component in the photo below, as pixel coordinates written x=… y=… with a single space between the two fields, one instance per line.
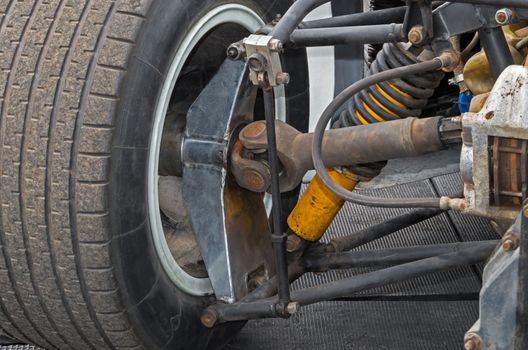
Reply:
x=464 y=101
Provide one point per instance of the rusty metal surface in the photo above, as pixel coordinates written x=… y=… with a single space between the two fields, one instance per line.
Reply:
x=509 y=176
x=346 y=146
x=431 y=312
x=235 y=241
x=488 y=179
x=249 y=173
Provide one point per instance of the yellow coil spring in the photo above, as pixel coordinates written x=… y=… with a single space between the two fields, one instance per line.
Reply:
x=318 y=206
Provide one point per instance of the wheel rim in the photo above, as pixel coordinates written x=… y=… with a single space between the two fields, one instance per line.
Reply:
x=249 y=21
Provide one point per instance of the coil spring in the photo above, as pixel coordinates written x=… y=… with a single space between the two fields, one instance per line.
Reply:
x=390 y=100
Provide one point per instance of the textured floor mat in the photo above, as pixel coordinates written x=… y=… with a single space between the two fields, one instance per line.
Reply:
x=364 y=325
x=435 y=314
x=431 y=312
x=437 y=230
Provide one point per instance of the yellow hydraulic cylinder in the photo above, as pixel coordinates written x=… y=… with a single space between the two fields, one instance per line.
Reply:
x=318 y=206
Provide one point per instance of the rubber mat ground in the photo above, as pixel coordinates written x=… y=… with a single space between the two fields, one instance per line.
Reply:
x=431 y=312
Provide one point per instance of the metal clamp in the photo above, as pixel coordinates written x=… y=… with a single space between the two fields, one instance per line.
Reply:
x=264 y=61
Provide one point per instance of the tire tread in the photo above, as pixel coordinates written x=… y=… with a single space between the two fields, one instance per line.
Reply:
x=61 y=66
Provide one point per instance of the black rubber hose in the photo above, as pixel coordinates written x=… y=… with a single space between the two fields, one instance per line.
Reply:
x=466 y=53
x=293 y=17
x=343 y=97
x=386 y=16
x=522 y=44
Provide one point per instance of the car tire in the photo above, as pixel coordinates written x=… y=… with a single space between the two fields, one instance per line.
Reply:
x=79 y=84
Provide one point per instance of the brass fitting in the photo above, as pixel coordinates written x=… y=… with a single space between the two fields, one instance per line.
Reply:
x=450 y=60
x=458 y=204
x=473 y=342
x=416 y=35
x=510 y=241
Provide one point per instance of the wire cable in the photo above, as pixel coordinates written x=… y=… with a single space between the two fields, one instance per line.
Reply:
x=522 y=44
x=466 y=53
x=333 y=107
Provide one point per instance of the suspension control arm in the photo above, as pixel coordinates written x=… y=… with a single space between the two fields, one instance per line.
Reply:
x=341 y=147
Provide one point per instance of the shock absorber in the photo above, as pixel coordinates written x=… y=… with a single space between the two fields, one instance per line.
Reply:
x=382 y=102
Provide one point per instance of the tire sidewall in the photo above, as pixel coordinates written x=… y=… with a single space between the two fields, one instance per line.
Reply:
x=161 y=314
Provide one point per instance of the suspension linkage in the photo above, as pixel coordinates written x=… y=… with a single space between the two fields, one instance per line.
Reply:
x=459 y=255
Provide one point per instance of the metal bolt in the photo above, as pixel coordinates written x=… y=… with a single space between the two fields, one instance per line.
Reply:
x=235 y=51
x=510 y=242
x=504 y=16
x=254 y=130
x=450 y=60
x=508 y=245
x=470 y=344
x=282 y=78
x=473 y=342
x=293 y=243
x=257 y=62
x=209 y=318
x=255 y=282
x=292 y=308
x=416 y=35
x=254 y=181
x=275 y=45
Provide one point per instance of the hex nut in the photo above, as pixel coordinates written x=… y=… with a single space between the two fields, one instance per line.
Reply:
x=473 y=342
x=235 y=51
x=275 y=45
x=254 y=130
x=504 y=16
x=253 y=180
x=416 y=35
x=293 y=243
x=470 y=344
x=292 y=308
x=508 y=245
x=209 y=318
x=510 y=242
x=282 y=78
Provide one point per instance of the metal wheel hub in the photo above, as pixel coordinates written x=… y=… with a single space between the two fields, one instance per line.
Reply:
x=173 y=234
